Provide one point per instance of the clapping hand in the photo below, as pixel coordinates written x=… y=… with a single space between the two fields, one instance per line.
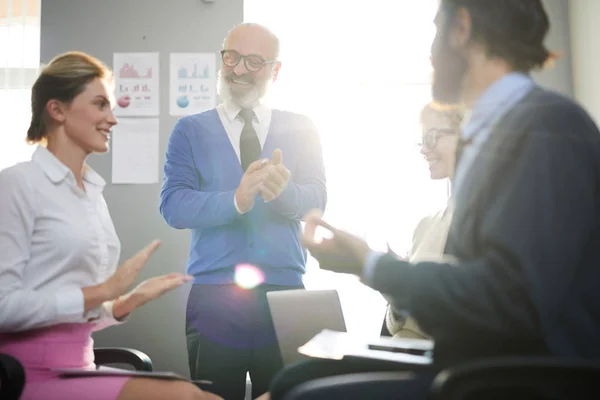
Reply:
x=275 y=177
x=250 y=185
x=147 y=291
x=124 y=277
x=119 y=283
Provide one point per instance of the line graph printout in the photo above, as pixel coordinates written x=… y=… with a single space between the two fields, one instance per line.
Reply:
x=136 y=84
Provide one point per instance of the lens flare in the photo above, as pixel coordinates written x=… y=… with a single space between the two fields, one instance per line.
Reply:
x=248 y=276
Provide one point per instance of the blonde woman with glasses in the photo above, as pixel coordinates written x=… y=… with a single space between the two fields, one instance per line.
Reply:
x=440 y=135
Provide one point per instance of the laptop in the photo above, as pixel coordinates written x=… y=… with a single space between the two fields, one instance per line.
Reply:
x=299 y=315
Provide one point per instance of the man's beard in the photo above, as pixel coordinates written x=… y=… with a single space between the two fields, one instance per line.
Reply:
x=244 y=96
x=449 y=70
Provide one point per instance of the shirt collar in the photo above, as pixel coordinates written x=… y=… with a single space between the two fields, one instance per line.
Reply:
x=495 y=97
x=232 y=110
x=91 y=176
x=56 y=171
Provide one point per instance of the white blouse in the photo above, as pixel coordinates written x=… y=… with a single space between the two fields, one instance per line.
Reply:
x=54 y=240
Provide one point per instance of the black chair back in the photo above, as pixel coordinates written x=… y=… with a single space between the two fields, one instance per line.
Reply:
x=12 y=378
x=531 y=378
x=121 y=355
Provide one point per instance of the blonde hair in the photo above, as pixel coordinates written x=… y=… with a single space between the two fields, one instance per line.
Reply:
x=453 y=114
x=63 y=79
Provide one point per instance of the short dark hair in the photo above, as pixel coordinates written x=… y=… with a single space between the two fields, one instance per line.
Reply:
x=513 y=30
x=65 y=77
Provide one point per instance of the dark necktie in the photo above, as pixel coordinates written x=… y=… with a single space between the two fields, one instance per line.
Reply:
x=249 y=145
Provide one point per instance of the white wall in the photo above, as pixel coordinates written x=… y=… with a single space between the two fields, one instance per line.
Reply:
x=585 y=53
x=559 y=76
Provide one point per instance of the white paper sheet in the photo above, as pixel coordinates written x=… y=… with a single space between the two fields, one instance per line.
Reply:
x=337 y=345
x=136 y=84
x=135 y=150
x=192 y=84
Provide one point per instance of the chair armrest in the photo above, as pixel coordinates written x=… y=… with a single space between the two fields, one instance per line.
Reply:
x=537 y=377
x=12 y=377
x=366 y=385
x=121 y=355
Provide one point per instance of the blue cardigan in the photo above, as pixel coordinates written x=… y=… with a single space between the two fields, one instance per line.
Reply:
x=201 y=175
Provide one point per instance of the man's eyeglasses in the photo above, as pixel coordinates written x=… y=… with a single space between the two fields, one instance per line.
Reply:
x=253 y=62
x=431 y=137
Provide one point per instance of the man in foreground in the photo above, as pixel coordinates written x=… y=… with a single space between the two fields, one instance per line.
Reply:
x=526 y=196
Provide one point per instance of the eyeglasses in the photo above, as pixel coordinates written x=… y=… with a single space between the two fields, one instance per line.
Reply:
x=431 y=137
x=253 y=62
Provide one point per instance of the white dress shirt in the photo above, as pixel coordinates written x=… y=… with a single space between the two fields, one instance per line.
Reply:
x=55 y=239
x=234 y=124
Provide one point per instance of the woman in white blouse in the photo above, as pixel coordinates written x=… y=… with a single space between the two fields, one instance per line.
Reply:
x=59 y=279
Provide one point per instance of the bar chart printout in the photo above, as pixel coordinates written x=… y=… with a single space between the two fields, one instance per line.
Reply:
x=136 y=84
x=192 y=83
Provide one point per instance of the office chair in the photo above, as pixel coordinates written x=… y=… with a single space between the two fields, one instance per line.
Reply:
x=366 y=385
x=531 y=378
x=12 y=374
x=514 y=378
x=121 y=355
x=12 y=377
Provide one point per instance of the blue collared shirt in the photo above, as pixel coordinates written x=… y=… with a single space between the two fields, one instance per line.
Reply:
x=489 y=108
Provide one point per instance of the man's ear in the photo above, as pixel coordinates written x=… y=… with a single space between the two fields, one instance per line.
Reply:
x=276 y=70
x=56 y=110
x=460 y=33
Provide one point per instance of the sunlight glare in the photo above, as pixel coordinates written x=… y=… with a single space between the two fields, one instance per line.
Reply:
x=248 y=276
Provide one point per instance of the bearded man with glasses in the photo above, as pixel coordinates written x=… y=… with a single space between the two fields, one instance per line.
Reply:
x=228 y=182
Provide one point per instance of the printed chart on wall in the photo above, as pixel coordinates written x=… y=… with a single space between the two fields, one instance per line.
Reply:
x=135 y=148
x=192 y=83
x=136 y=84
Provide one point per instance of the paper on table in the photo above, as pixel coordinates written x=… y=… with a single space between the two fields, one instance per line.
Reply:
x=337 y=345
x=135 y=151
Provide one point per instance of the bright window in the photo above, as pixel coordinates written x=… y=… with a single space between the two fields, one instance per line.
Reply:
x=19 y=63
x=361 y=71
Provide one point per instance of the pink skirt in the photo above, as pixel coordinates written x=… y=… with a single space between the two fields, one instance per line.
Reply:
x=59 y=346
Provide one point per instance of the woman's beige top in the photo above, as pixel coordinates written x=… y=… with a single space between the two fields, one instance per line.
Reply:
x=429 y=241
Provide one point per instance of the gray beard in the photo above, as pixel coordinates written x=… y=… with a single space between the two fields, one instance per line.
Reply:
x=247 y=99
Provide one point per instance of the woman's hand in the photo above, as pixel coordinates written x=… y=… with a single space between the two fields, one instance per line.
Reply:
x=147 y=291
x=120 y=282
